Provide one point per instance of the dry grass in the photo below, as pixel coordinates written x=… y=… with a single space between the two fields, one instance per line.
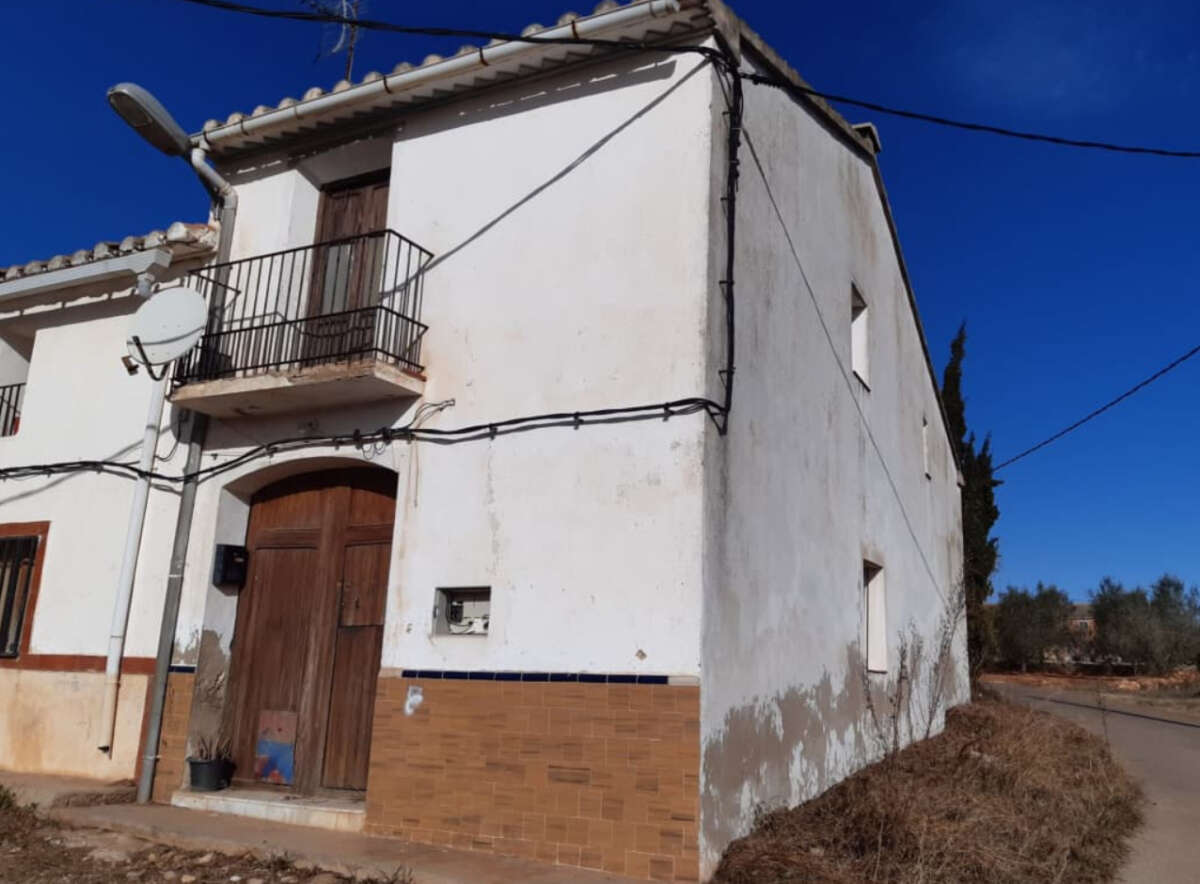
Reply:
x=1005 y=794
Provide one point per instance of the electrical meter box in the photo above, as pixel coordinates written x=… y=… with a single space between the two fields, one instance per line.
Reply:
x=229 y=565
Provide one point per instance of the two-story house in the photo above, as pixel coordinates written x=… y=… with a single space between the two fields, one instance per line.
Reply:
x=529 y=567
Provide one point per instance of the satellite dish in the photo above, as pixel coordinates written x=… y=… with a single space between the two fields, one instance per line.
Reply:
x=168 y=325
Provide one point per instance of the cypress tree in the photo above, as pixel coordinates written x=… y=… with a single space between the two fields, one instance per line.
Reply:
x=979 y=511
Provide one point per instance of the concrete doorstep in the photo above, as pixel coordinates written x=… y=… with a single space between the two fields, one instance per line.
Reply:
x=341 y=853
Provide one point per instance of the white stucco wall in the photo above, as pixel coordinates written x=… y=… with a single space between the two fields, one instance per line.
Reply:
x=796 y=494
x=79 y=404
x=587 y=291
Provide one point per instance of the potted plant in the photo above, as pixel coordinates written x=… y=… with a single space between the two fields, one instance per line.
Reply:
x=211 y=767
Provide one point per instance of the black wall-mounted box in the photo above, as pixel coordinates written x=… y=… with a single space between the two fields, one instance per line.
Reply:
x=229 y=565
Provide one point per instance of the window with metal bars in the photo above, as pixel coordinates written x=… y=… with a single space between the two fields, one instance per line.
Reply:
x=17 y=556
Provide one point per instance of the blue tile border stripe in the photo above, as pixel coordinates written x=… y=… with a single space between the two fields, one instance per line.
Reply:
x=581 y=677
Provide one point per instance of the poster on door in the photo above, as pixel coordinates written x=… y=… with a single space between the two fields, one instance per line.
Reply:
x=274 y=752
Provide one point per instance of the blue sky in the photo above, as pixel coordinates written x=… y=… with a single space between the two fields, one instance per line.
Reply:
x=1073 y=269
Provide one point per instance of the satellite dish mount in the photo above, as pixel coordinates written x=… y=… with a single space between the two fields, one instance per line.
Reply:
x=168 y=325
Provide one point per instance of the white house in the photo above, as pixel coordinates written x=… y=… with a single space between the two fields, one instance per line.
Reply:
x=517 y=580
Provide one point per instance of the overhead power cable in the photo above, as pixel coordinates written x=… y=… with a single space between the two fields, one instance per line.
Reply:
x=969 y=126
x=1170 y=366
x=469 y=33
x=426 y=31
x=718 y=411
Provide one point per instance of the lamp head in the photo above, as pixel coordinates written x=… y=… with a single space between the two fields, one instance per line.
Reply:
x=146 y=116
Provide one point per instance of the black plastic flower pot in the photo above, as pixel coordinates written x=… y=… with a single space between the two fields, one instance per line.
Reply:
x=208 y=776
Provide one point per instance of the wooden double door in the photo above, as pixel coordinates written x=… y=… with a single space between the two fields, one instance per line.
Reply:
x=309 y=630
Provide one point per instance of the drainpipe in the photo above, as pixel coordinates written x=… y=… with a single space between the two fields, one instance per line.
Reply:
x=133 y=541
x=225 y=199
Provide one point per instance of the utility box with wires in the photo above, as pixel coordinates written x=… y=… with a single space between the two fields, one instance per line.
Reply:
x=463 y=610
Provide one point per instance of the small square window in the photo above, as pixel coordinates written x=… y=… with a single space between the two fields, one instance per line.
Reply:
x=876 y=604
x=462 y=610
x=859 y=338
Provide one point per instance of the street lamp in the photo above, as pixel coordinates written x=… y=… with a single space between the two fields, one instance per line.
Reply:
x=143 y=113
x=148 y=118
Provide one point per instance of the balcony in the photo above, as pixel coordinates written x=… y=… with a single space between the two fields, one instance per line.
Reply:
x=336 y=323
x=10 y=408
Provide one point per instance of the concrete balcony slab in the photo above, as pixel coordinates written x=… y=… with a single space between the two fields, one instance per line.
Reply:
x=304 y=389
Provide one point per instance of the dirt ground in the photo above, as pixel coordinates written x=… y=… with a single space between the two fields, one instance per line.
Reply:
x=34 y=850
x=1175 y=696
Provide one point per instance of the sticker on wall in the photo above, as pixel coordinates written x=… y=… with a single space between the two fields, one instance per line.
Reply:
x=415 y=696
x=274 y=753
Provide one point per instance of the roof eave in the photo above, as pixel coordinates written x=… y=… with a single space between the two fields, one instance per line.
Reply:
x=266 y=128
x=132 y=264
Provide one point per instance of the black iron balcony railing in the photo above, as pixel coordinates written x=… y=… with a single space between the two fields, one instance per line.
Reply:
x=10 y=408
x=337 y=301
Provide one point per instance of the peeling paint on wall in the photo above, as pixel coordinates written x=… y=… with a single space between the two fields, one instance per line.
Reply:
x=212 y=679
x=777 y=751
x=186 y=653
x=789 y=748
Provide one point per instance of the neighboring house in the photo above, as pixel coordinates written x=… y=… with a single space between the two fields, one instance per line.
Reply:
x=1082 y=623
x=604 y=642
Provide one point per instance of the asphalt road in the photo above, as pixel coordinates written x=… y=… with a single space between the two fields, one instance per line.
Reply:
x=1165 y=756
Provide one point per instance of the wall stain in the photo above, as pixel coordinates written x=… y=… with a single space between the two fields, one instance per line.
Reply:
x=779 y=751
x=860 y=201
x=784 y=750
x=212 y=680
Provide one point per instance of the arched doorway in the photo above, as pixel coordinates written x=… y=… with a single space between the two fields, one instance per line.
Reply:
x=309 y=631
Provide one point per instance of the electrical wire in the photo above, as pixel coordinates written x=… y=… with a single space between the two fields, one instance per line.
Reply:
x=1043 y=137
x=1170 y=366
x=469 y=33
x=389 y=27
x=411 y=432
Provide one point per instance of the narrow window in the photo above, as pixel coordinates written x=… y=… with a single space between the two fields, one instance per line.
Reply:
x=17 y=557
x=925 y=447
x=10 y=408
x=876 y=601
x=859 y=344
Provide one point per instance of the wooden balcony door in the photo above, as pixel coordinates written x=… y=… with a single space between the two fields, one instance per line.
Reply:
x=309 y=631
x=347 y=275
